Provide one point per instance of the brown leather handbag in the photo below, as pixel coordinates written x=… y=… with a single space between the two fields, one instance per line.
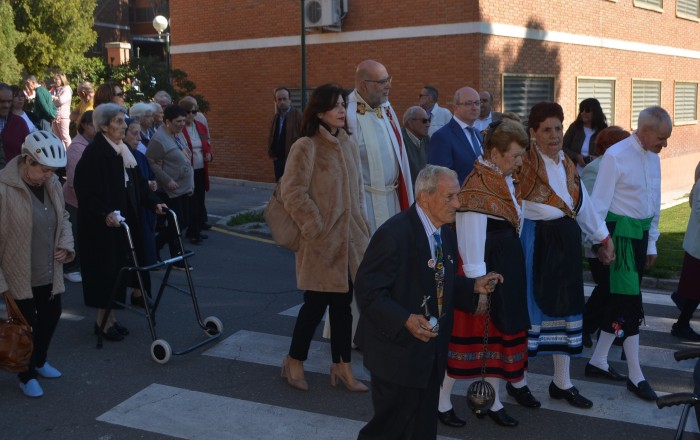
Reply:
x=16 y=343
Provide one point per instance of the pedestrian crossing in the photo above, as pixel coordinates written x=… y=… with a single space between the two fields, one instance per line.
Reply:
x=189 y=414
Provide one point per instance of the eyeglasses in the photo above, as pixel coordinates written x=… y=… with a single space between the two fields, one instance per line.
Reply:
x=484 y=101
x=381 y=82
x=423 y=120
x=422 y=95
x=120 y=94
x=192 y=112
x=469 y=103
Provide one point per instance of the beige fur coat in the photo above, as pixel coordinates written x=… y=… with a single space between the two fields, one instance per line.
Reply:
x=322 y=191
x=16 y=232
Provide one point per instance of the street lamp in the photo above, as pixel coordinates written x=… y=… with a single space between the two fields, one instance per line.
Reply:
x=160 y=24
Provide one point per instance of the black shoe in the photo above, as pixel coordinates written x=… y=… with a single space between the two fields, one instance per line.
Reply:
x=502 y=418
x=592 y=371
x=203 y=236
x=684 y=332
x=587 y=340
x=449 y=418
x=571 y=395
x=523 y=396
x=111 y=334
x=121 y=329
x=642 y=390
x=205 y=226
x=180 y=265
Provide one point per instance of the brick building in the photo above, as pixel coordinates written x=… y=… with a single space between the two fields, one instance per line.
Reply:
x=627 y=53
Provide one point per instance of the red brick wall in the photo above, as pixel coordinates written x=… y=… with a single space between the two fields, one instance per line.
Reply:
x=239 y=84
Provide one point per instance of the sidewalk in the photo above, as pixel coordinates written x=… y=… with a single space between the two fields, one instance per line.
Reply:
x=229 y=197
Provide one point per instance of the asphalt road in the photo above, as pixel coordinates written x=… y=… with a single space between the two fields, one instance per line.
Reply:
x=231 y=389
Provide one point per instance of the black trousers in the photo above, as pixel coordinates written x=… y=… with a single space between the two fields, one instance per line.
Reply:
x=403 y=413
x=42 y=312
x=594 y=313
x=168 y=234
x=310 y=316
x=196 y=209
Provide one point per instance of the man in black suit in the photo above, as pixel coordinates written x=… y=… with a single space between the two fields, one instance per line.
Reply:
x=406 y=274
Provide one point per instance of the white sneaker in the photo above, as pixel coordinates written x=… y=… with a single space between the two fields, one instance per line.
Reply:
x=73 y=277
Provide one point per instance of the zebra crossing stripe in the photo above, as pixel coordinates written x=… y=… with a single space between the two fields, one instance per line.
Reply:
x=187 y=414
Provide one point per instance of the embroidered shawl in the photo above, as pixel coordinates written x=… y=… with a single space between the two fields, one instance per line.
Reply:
x=485 y=190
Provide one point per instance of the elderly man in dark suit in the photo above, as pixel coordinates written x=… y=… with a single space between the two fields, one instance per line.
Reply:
x=416 y=123
x=457 y=145
x=406 y=288
x=285 y=129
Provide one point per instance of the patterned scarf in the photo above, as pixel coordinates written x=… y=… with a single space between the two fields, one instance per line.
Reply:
x=485 y=191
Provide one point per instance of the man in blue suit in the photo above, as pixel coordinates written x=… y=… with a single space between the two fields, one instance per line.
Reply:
x=457 y=145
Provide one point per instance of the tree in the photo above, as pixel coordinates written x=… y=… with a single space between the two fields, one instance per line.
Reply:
x=10 y=68
x=54 y=34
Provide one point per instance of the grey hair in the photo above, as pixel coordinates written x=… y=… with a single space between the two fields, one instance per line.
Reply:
x=162 y=95
x=411 y=113
x=140 y=109
x=104 y=113
x=428 y=177
x=87 y=86
x=652 y=117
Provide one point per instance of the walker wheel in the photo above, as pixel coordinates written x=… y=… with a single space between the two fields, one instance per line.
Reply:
x=213 y=326
x=160 y=351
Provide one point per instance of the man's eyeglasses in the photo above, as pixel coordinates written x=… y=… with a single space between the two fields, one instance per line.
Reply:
x=423 y=120
x=422 y=95
x=381 y=82
x=192 y=112
x=469 y=103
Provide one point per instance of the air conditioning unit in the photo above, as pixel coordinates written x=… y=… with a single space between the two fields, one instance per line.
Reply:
x=320 y=13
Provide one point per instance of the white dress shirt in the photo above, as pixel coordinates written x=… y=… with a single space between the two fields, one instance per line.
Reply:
x=590 y=221
x=629 y=184
x=482 y=124
x=439 y=117
x=478 y=150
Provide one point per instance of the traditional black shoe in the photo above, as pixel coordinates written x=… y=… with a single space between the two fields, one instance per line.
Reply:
x=111 y=334
x=502 y=418
x=121 y=329
x=642 y=390
x=684 y=332
x=571 y=395
x=523 y=396
x=587 y=340
x=449 y=418
x=592 y=371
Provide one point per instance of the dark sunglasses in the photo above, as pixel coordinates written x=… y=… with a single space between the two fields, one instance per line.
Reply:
x=423 y=120
x=192 y=112
x=120 y=94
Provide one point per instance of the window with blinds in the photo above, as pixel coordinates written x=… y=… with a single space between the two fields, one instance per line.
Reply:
x=521 y=92
x=601 y=89
x=688 y=9
x=685 y=103
x=656 y=5
x=295 y=96
x=645 y=93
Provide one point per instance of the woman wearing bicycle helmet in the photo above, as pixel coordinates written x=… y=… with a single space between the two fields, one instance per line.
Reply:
x=35 y=241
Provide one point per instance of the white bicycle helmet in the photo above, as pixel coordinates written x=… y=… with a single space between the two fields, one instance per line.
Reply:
x=45 y=148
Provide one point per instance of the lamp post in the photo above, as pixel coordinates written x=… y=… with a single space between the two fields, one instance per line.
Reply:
x=160 y=24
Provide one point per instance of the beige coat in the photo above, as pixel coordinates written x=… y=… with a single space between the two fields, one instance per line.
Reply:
x=322 y=191
x=16 y=232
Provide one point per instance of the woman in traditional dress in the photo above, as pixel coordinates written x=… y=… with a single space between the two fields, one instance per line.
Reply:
x=556 y=209
x=487 y=232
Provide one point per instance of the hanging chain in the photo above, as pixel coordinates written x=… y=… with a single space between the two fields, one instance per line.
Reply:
x=486 y=336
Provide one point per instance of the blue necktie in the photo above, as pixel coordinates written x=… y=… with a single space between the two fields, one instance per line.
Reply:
x=439 y=270
x=476 y=144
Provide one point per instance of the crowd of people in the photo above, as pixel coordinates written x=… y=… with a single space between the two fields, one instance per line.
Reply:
x=450 y=242
x=499 y=210
x=70 y=197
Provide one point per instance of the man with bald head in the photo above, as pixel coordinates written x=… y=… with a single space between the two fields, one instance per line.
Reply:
x=457 y=145
x=416 y=125
x=375 y=128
